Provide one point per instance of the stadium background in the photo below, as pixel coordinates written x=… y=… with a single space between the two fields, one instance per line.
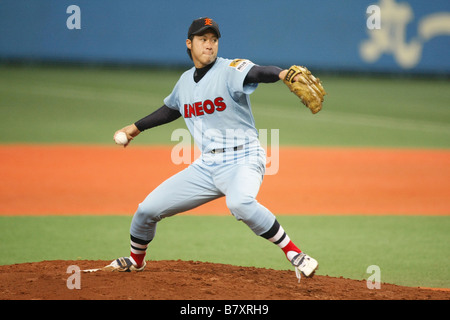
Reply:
x=62 y=87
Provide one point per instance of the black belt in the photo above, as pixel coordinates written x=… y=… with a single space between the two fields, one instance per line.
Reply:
x=222 y=150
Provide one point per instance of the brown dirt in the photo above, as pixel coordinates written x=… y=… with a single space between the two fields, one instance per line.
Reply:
x=189 y=280
x=68 y=180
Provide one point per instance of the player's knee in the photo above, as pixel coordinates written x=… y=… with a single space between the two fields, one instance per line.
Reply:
x=240 y=204
x=147 y=213
x=253 y=214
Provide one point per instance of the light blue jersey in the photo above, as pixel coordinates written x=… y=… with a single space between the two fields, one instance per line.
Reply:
x=218 y=114
x=217 y=109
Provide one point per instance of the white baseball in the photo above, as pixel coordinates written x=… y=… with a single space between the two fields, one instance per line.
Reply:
x=121 y=138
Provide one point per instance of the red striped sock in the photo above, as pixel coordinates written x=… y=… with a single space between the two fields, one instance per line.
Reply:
x=138 y=250
x=290 y=247
x=138 y=258
x=278 y=236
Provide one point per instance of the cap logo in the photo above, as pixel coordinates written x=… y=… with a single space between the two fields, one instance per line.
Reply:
x=208 y=22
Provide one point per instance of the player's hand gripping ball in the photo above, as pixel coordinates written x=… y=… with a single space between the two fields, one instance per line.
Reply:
x=121 y=138
x=307 y=87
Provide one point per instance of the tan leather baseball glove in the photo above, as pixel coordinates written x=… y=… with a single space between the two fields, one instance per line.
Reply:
x=307 y=87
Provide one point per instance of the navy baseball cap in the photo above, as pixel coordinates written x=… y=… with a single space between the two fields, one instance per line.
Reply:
x=200 y=25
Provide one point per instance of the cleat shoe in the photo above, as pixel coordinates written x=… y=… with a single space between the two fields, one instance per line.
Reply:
x=124 y=264
x=305 y=265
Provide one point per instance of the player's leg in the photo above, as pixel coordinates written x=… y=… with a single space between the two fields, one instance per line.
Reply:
x=241 y=200
x=241 y=192
x=241 y=189
x=185 y=190
x=239 y=178
x=278 y=236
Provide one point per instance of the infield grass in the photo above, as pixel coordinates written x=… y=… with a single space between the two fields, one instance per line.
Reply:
x=410 y=250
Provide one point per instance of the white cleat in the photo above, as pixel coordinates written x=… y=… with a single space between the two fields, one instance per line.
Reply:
x=305 y=265
x=124 y=264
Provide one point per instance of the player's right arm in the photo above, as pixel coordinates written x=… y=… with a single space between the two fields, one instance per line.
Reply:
x=160 y=116
x=131 y=131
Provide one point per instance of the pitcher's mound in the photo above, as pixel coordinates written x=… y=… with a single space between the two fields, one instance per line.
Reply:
x=188 y=280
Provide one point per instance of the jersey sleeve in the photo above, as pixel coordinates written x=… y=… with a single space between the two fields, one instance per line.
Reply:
x=171 y=100
x=237 y=71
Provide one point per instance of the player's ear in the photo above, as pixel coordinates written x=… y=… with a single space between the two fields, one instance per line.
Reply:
x=189 y=44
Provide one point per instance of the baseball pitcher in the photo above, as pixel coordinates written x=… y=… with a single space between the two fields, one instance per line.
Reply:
x=213 y=98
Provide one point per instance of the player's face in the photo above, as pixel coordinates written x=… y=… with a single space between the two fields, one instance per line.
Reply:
x=203 y=49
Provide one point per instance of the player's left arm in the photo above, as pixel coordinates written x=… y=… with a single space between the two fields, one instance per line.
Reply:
x=299 y=80
x=264 y=74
